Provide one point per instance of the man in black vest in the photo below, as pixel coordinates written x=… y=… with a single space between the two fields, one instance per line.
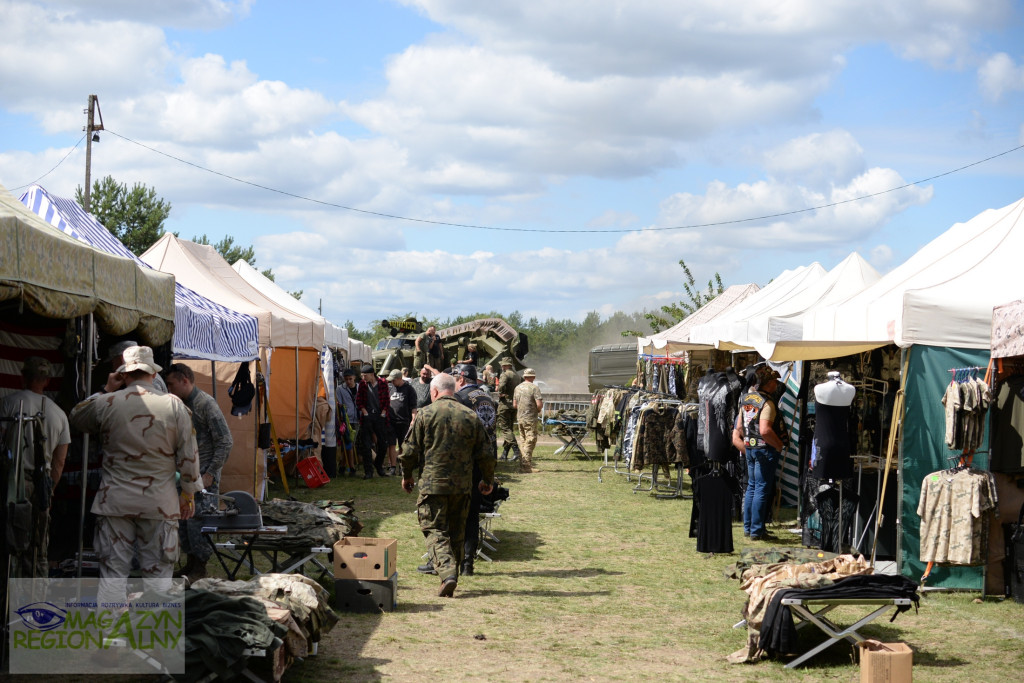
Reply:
x=757 y=435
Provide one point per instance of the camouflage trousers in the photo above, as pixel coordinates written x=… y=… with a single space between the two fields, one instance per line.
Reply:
x=442 y=519
x=506 y=425
x=191 y=537
x=115 y=542
x=528 y=428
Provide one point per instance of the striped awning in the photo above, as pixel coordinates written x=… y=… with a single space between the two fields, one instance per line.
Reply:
x=202 y=328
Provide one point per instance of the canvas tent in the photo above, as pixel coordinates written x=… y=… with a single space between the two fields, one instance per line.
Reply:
x=676 y=339
x=59 y=277
x=729 y=330
x=289 y=344
x=202 y=328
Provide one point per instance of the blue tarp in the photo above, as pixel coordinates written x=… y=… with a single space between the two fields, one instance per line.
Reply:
x=202 y=328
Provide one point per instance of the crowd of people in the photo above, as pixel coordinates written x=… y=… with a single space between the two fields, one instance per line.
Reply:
x=165 y=442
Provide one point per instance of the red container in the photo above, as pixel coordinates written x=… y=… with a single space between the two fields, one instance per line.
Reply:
x=312 y=472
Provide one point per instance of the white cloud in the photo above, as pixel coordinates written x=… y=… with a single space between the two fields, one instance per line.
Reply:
x=1000 y=75
x=196 y=14
x=819 y=159
x=880 y=257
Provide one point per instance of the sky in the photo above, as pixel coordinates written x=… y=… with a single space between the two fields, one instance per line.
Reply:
x=591 y=145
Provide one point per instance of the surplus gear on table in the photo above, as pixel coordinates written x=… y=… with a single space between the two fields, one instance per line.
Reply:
x=322 y=523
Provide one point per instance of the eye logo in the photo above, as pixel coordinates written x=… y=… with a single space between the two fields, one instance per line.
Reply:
x=42 y=616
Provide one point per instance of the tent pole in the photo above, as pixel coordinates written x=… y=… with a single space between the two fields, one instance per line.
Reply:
x=89 y=333
x=296 y=405
x=213 y=377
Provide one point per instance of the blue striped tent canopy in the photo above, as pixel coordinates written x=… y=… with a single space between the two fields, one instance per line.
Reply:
x=202 y=328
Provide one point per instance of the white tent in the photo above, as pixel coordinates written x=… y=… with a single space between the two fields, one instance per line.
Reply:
x=200 y=267
x=676 y=339
x=335 y=337
x=729 y=331
x=770 y=333
x=359 y=351
x=942 y=296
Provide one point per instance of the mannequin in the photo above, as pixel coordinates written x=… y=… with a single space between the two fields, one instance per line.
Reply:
x=831 y=433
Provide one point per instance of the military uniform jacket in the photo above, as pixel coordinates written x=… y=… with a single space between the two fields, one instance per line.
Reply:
x=526 y=396
x=507 y=383
x=445 y=440
x=213 y=438
x=146 y=438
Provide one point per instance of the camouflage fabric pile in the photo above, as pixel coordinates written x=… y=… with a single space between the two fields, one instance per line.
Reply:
x=322 y=523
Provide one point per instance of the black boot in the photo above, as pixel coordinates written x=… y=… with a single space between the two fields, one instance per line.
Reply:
x=427 y=568
x=467 y=568
x=517 y=452
x=504 y=451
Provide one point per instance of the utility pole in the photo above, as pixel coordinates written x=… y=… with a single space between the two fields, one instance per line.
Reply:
x=91 y=136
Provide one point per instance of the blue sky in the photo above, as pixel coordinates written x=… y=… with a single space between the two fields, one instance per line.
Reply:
x=527 y=115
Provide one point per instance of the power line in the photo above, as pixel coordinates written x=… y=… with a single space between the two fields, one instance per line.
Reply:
x=471 y=226
x=54 y=168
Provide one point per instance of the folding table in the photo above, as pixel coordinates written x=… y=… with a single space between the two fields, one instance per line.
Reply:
x=812 y=611
x=571 y=433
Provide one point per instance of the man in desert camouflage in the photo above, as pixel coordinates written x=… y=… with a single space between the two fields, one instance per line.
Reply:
x=444 y=443
x=147 y=437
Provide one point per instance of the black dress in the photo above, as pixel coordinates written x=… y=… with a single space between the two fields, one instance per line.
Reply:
x=714 y=526
x=832 y=441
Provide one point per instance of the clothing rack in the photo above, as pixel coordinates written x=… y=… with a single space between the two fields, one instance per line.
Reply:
x=961 y=374
x=663 y=360
x=653 y=474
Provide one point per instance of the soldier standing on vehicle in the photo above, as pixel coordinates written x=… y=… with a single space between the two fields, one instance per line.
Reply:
x=527 y=401
x=507 y=383
x=444 y=443
x=428 y=349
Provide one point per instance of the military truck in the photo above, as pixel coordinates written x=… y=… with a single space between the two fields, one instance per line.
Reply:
x=494 y=339
x=612 y=364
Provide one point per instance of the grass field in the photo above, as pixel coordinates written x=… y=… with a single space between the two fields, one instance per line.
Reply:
x=594 y=582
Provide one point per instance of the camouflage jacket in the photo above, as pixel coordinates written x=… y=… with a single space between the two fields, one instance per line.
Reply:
x=212 y=434
x=507 y=383
x=526 y=396
x=147 y=437
x=445 y=440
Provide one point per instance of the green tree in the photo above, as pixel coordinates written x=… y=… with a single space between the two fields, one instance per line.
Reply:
x=135 y=216
x=234 y=252
x=674 y=313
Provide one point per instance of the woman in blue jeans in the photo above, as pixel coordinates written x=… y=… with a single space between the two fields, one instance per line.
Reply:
x=756 y=436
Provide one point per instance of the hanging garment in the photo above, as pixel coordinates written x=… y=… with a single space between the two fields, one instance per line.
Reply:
x=714 y=526
x=827 y=501
x=954 y=509
x=832 y=442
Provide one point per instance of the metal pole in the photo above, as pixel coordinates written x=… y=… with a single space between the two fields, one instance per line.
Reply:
x=213 y=377
x=89 y=332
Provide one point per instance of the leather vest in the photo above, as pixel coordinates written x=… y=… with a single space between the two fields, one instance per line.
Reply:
x=751 y=406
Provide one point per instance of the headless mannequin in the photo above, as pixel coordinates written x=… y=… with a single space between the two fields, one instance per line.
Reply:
x=831 y=432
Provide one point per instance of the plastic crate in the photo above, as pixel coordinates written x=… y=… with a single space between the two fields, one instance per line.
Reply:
x=312 y=472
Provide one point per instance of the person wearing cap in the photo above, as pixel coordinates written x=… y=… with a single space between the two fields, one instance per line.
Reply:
x=757 y=436
x=444 y=443
x=147 y=439
x=213 y=438
x=115 y=356
x=373 y=401
x=528 y=402
x=507 y=383
x=36 y=372
x=403 y=410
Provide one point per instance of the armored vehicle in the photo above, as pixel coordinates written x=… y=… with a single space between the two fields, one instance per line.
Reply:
x=494 y=338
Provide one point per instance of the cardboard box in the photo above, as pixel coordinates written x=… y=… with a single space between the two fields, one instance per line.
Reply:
x=373 y=559
x=885 y=662
x=360 y=595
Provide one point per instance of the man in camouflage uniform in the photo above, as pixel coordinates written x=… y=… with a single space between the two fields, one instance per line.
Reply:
x=444 y=443
x=428 y=349
x=527 y=401
x=507 y=383
x=147 y=437
x=214 y=441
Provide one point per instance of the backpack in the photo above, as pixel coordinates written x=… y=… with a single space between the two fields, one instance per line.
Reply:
x=242 y=391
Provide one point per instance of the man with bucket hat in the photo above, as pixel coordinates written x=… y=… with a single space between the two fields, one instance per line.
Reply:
x=528 y=402
x=147 y=439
